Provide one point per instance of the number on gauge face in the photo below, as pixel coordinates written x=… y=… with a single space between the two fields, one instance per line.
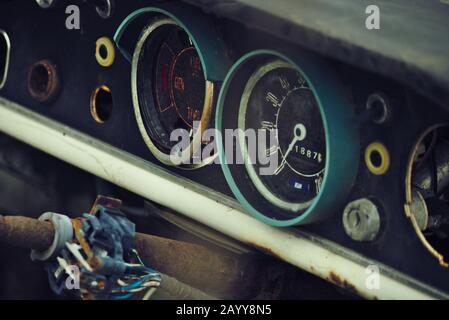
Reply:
x=277 y=98
x=178 y=84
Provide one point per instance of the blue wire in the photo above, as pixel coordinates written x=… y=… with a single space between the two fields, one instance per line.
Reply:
x=132 y=286
x=122 y=297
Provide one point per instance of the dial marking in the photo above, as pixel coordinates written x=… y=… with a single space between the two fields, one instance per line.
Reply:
x=271 y=151
x=193 y=114
x=318 y=183
x=164 y=77
x=195 y=64
x=165 y=84
x=273 y=99
x=162 y=110
x=179 y=83
x=267 y=125
x=165 y=44
x=302 y=82
x=284 y=83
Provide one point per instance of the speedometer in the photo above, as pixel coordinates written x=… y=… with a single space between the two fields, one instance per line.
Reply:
x=303 y=122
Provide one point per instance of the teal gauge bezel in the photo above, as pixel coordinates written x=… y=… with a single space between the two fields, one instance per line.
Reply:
x=342 y=140
x=200 y=29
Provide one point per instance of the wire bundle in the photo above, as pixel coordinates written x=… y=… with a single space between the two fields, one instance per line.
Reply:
x=101 y=262
x=139 y=279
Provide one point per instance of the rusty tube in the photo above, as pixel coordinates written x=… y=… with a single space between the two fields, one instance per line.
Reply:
x=26 y=232
x=224 y=275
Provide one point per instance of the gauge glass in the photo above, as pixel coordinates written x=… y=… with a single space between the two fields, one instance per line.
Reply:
x=278 y=98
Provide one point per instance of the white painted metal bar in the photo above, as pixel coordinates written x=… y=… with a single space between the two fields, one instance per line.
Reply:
x=313 y=254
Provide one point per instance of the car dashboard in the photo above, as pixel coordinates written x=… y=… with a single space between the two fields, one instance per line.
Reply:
x=358 y=195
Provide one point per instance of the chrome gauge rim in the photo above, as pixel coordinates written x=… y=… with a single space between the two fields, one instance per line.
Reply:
x=181 y=160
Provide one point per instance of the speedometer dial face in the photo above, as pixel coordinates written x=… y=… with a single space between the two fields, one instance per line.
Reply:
x=277 y=98
x=170 y=91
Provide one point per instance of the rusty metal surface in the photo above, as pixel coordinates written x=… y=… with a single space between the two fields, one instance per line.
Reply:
x=26 y=232
x=201 y=267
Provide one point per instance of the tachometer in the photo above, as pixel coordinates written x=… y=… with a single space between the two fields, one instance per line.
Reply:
x=177 y=66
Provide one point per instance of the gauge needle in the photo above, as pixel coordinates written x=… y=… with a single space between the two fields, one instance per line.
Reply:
x=299 y=134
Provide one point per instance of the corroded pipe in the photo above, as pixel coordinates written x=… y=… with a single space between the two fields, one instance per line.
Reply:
x=26 y=232
x=225 y=275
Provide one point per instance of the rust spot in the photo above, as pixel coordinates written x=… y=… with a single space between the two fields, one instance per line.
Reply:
x=333 y=276
x=268 y=251
x=43 y=81
x=338 y=280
